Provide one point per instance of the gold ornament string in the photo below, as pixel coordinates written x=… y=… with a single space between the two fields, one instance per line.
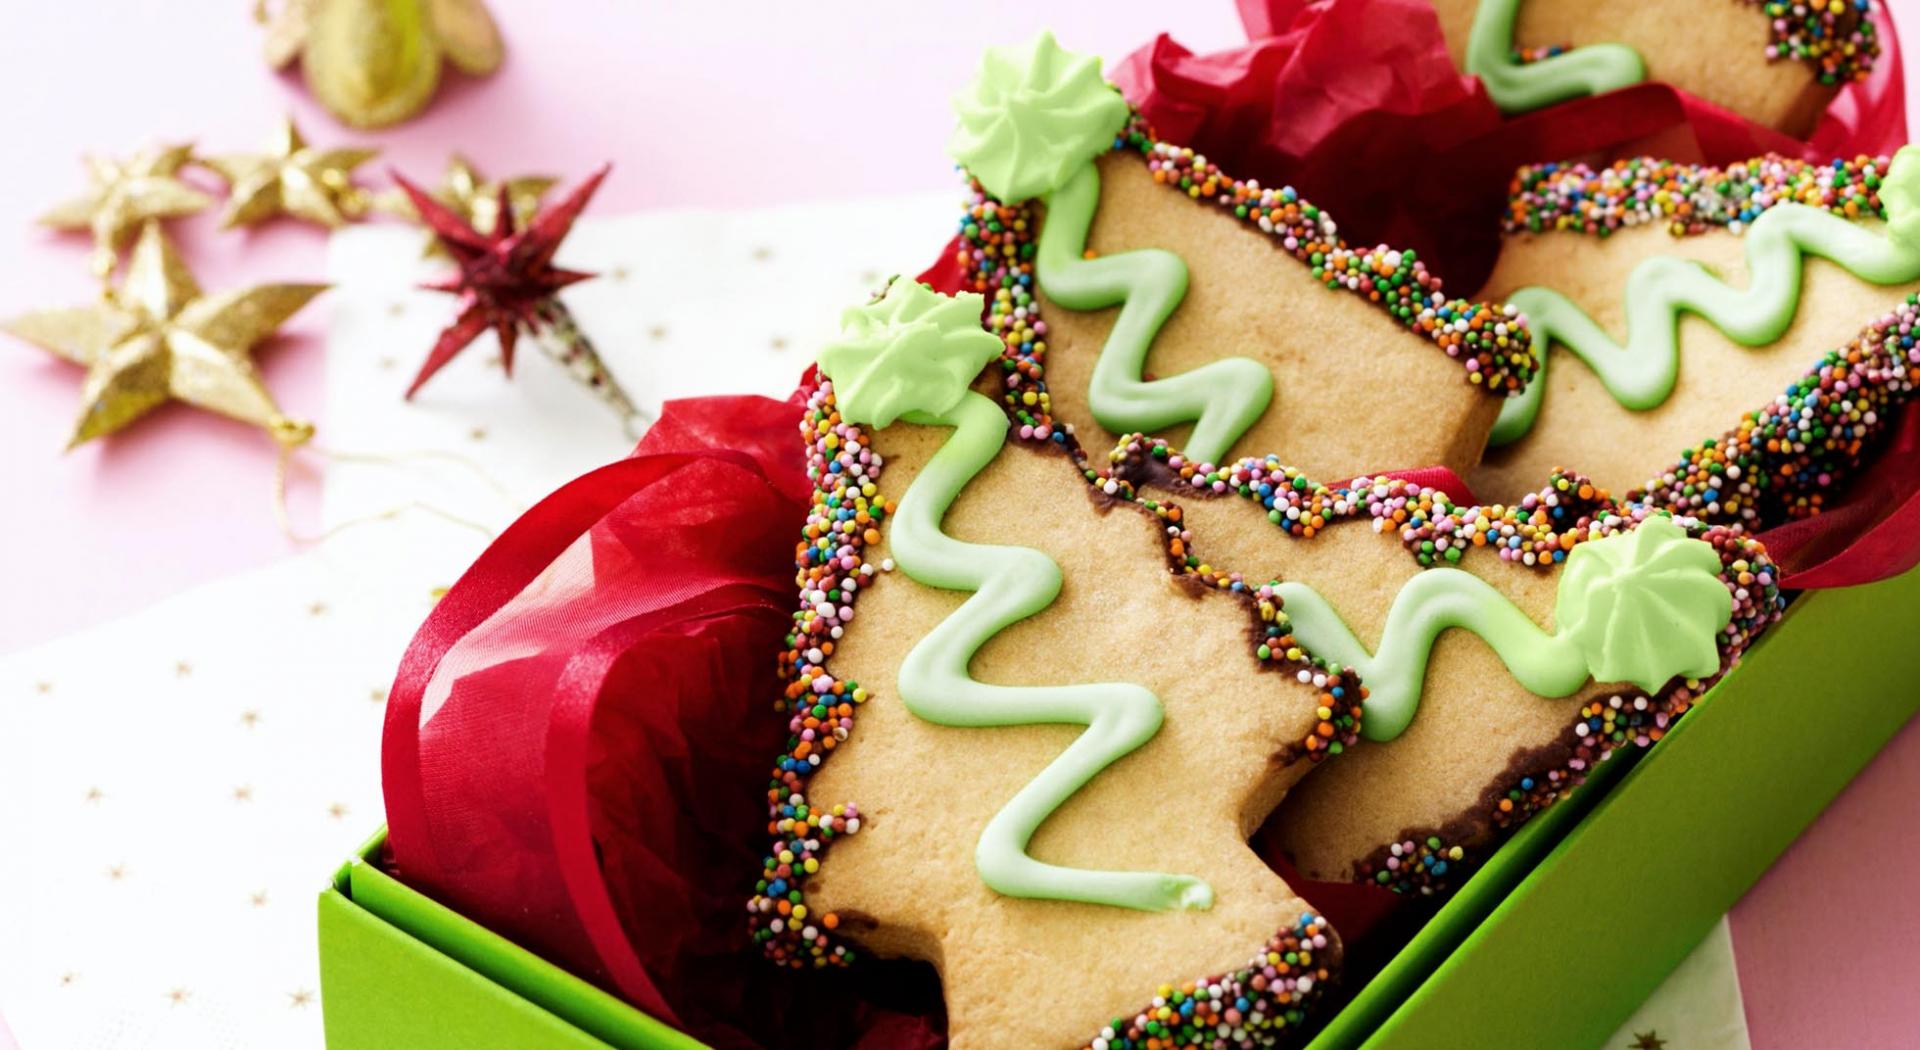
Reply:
x=293 y=435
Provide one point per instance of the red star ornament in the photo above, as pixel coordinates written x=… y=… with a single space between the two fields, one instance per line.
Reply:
x=506 y=281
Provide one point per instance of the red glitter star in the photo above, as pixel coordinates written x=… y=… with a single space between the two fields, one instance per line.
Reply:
x=506 y=279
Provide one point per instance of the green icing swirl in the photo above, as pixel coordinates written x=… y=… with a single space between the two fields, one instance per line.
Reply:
x=1640 y=606
x=1517 y=87
x=1033 y=115
x=1641 y=373
x=883 y=362
x=1222 y=399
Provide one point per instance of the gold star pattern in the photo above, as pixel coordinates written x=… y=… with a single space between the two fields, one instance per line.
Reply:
x=317 y=609
x=1648 y=1041
x=243 y=793
x=95 y=796
x=250 y=719
x=473 y=197
x=377 y=695
x=478 y=433
x=337 y=811
x=292 y=178
x=762 y=253
x=117 y=873
x=67 y=979
x=778 y=342
x=43 y=688
x=182 y=669
x=121 y=195
x=299 y=998
x=158 y=338
x=657 y=332
x=258 y=898
x=179 y=996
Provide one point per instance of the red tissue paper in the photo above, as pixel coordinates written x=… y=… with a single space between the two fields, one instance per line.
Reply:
x=575 y=735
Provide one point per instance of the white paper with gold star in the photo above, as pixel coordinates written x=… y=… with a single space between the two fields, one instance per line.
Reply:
x=1698 y=1008
x=687 y=302
x=178 y=785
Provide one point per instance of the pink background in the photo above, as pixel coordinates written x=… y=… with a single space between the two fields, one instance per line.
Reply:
x=858 y=107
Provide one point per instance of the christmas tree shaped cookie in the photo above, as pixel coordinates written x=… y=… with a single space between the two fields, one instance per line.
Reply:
x=1034 y=756
x=1505 y=649
x=1228 y=316
x=1669 y=303
x=1775 y=63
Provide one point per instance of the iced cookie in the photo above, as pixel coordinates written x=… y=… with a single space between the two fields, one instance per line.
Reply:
x=1035 y=755
x=1776 y=63
x=1668 y=301
x=1505 y=650
x=1224 y=315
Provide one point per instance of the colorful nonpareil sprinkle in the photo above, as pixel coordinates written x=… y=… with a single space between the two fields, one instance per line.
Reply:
x=1258 y=1005
x=1836 y=37
x=1782 y=460
x=1524 y=55
x=999 y=243
x=1537 y=532
x=1688 y=199
x=846 y=516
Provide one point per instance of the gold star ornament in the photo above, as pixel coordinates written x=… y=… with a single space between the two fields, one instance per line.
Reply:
x=292 y=178
x=377 y=62
x=158 y=338
x=473 y=197
x=123 y=194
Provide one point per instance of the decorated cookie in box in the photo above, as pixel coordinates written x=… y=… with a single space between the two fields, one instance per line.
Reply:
x=1776 y=63
x=1022 y=749
x=1728 y=341
x=1504 y=650
x=1179 y=301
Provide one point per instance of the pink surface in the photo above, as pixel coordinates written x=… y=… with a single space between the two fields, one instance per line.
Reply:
x=690 y=103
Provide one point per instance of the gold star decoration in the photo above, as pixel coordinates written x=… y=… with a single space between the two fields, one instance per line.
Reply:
x=1648 y=1041
x=250 y=719
x=473 y=197
x=378 y=64
x=299 y=998
x=158 y=338
x=292 y=178
x=123 y=194
x=179 y=996
x=258 y=898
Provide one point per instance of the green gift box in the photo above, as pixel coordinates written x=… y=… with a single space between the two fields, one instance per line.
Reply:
x=1634 y=868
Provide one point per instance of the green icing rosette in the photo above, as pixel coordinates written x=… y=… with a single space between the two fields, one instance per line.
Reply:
x=1033 y=116
x=913 y=351
x=1644 y=606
